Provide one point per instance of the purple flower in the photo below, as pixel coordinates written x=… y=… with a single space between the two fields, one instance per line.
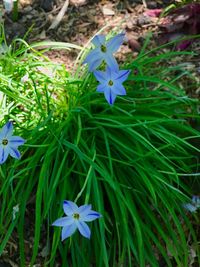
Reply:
x=75 y=219
x=111 y=83
x=9 y=143
x=103 y=51
x=184 y=45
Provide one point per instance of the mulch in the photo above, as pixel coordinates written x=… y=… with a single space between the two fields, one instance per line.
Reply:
x=82 y=20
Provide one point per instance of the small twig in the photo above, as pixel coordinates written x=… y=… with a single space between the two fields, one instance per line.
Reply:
x=144 y=3
x=60 y=15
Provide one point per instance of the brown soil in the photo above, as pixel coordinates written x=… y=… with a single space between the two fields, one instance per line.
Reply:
x=82 y=20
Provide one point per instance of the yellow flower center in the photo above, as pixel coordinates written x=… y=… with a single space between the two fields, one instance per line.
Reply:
x=103 y=48
x=110 y=83
x=76 y=216
x=4 y=142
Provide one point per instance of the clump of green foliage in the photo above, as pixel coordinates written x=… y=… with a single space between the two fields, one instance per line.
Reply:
x=132 y=160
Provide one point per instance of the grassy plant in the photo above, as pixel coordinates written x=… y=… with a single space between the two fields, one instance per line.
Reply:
x=129 y=160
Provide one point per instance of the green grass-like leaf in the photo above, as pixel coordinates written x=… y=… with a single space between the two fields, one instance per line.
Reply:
x=129 y=161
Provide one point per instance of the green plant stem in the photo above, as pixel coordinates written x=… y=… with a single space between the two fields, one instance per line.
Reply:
x=15 y=11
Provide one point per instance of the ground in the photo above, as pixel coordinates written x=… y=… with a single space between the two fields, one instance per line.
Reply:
x=82 y=20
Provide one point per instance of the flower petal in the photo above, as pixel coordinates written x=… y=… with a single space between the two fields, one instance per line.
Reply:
x=122 y=75
x=16 y=141
x=190 y=207
x=93 y=55
x=111 y=62
x=4 y=152
x=99 y=40
x=69 y=207
x=110 y=96
x=95 y=64
x=84 y=229
x=196 y=201
x=115 y=42
x=91 y=216
x=64 y=221
x=84 y=210
x=100 y=76
x=14 y=152
x=101 y=88
x=6 y=130
x=68 y=231
x=118 y=89
x=109 y=73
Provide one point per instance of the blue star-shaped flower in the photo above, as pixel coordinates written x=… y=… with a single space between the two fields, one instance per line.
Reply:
x=9 y=143
x=103 y=51
x=75 y=219
x=111 y=83
x=194 y=205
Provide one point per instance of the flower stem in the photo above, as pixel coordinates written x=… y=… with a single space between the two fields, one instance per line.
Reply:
x=15 y=10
